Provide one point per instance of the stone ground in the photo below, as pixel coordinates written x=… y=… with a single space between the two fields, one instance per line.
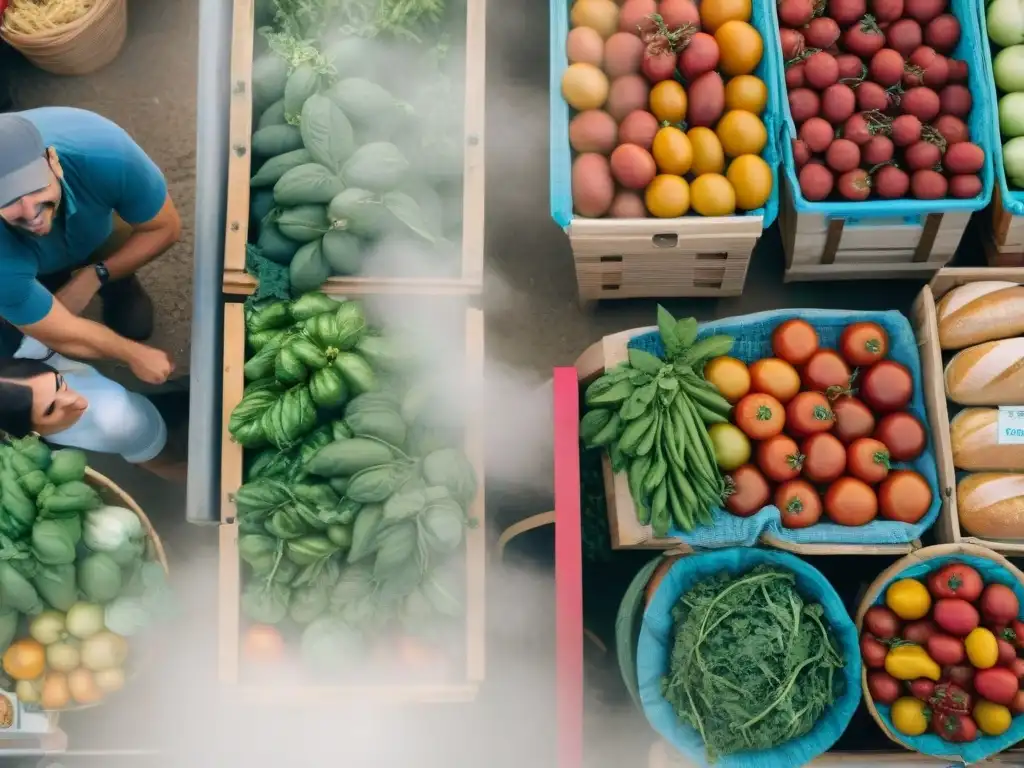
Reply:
x=534 y=322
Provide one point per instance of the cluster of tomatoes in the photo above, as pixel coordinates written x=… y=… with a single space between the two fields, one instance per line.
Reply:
x=943 y=654
x=827 y=426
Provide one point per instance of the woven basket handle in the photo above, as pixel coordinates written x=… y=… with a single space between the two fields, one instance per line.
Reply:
x=527 y=524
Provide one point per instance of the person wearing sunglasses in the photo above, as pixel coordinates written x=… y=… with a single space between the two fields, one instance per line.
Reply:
x=82 y=209
x=69 y=403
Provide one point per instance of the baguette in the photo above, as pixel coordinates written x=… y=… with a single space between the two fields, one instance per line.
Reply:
x=987 y=374
x=974 y=433
x=990 y=505
x=979 y=312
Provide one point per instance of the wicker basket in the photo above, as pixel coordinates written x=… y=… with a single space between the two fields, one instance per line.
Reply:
x=85 y=45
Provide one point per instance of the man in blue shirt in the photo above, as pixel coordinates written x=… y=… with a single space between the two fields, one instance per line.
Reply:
x=82 y=209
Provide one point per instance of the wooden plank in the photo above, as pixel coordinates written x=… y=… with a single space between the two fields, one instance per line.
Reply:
x=233 y=386
x=240 y=283
x=473 y=179
x=239 y=135
x=229 y=588
x=476 y=538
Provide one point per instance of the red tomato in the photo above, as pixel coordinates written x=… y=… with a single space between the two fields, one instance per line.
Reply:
x=955 y=580
x=850 y=501
x=904 y=496
x=795 y=341
x=824 y=458
x=747 y=490
x=1016 y=633
x=868 y=460
x=999 y=604
x=883 y=687
x=780 y=458
x=886 y=386
x=826 y=372
x=957 y=617
x=799 y=504
x=997 y=684
x=759 y=415
x=864 y=344
x=961 y=674
x=1017 y=705
x=874 y=652
x=809 y=413
x=945 y=649
x=922 y=688
x=903 y=435
x=853 y=418
x=775 y=377
x=956 y=728
x=919 y=631
x=1007 y=653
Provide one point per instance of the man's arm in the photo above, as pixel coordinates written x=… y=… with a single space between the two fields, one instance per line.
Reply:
x=147 y=241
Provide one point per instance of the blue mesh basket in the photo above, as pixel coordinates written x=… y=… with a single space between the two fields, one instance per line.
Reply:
x=763 y=19
x=876 y=212
x=752 y=334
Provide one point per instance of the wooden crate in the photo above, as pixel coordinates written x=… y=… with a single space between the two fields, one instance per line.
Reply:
x=1004 y=245
x=626 y=531
x=818 y=247
x=229 y=618
x=637 y=258
x=469 y=281
x=947 y=528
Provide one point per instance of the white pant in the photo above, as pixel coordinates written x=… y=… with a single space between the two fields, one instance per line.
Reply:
x=116 y=420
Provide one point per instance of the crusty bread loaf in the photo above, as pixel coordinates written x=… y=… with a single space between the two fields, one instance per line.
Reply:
x=979 y=312
x=974 y=433
x=990 y=505
x=987 y=374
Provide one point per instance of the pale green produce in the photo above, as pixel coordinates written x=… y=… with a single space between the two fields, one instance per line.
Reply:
x=1005 y=21
x=1011 y=115
x=1013 y=161
x=1008 y=69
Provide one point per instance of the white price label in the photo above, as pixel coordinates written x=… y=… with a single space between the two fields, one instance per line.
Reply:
x=1011 y=425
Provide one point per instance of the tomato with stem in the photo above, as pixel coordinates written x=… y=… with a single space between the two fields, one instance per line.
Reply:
x=827 y=372
x=779 y=458
x=868 y=460
x=799 y=504
x=864 y=344
x=746 y=490
x=809 y=413
x=760 y=416
x=902 y=434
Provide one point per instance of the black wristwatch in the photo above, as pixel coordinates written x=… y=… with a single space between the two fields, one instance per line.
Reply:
x=102 y=272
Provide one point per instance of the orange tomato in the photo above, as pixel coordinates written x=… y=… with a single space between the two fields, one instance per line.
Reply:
x=795 y=341
x=708 y=156
x=668 y=101
x=713 y=195
x=740 y=47
x=751 y=177
x=746 y=92
x=760 y=416
x=263 y=643
x=672 y=151
x=729 y=376
x=667 y=197
x=775 y=377
x=25 y=659
x=714 y=13
x=799 y=504
x=741 y=133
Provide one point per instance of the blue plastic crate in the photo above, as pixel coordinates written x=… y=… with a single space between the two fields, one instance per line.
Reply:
x=912 y=211
x=560 y=113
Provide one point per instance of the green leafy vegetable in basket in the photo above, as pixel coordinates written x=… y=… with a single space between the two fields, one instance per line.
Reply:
x=753 y=665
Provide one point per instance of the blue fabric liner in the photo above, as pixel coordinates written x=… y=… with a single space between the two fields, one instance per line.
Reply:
x=930 y=744
x=973 y=49
x=753 y=342
x=763 y=19
x=657 y=637
x=1012 y=200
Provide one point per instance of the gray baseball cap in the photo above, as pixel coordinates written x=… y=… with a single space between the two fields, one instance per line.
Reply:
x=23 y=165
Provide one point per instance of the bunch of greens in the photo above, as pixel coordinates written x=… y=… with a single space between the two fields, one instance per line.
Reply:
x=753 y=665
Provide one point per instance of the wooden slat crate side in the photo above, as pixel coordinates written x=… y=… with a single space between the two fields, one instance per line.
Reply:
x=239 y=135
x=683 y=228
x=474 y=116
x=240 y=283
x=879 y=271
x=667 y=247
x=229 y=619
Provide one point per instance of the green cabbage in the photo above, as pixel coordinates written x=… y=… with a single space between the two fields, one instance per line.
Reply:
x=110 y=528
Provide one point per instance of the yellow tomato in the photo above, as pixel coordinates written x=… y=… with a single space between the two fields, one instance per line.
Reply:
x=729 y=376
x=714 y=13
x=584 y=86
x=732 y=447
x=668 y=196
x=908 y=716
x=740 y=48
x=751 y=177
x=741 y=133
x=708 y=156
x=668 y=101
x=992 y=719
x=746 y=92
x=713 y=195
x=672 y=151
x=908 y=599
x=982 y=648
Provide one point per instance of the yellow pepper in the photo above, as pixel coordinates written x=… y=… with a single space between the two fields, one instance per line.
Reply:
x=909 y=662
x=909 y=716
x=982 y=648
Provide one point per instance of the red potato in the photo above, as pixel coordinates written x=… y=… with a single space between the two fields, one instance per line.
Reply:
x=922 y=688
x=878 y=150
x=584 y=45
x=924 y=11
x=965 y=186
x=838 y=102
x=795 y=13
x=999 y=604
x=854 y=420
x=592 y=185
x=593 y=130
x=795 y=76
x=816 y=182
x=622 y=54
x=821 y=70
x=699 y=56
x=955 y=616
x=706 y=100
x=801 y=153
x=923 y=103
x=883 y=687
x=963 y=157
x=679 y=13
x=919 y=631
x=846 y=12
x=872 y=651
x=627 y=94
x=958 y=71
x=804 y=104
x=887 y=10
x=632 y=166
x=943 y=33
x=627 y=205
x=821 y=32
x=886 y=67
x=864 y=39
x=871 y=97
x=946 y=650
x=793 y=43
x=855 y=185
x=890 y=182
x=905 y=130
x=817 y=134
x=955 y=100
x=922 y=154
x=926 y=67
x=904 y=36
x=952 y=128
x=640 y=128
x=881 y=622
x=634 y=16
x=659 y=60
x=851 y=68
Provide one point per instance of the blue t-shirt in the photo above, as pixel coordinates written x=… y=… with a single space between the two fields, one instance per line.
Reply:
x=105 y=172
